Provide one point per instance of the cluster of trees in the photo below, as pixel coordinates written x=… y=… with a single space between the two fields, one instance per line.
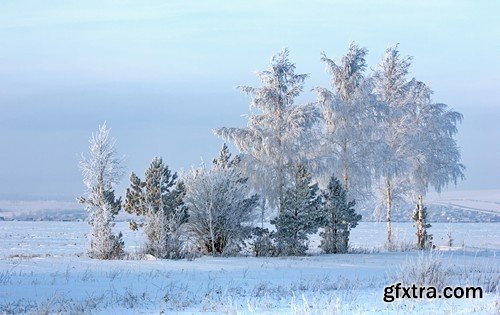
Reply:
x=306 y=208
x=379 y=132
x=208 y=210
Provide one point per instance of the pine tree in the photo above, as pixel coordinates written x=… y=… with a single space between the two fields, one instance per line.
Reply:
x=338 y=217
x=102 y=170
x=299 y=216
x=424 y=239
x=159 y=199
x=220 y=206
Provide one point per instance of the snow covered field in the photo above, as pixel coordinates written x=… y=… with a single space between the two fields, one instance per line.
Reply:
x=43 y=268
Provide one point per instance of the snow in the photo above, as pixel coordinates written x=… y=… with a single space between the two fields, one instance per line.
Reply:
x=43 y=267
x=487 y=200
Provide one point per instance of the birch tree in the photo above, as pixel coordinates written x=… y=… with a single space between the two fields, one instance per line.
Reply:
x=393 y=90
x=348 y=112
x=276 y=137
x=102 y=170
x=435 y=158
x=417 y=148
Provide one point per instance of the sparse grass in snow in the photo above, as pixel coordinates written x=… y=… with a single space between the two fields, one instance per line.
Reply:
x=44 y=276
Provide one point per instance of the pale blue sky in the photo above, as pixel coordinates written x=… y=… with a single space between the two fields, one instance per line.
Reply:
x=162 y=74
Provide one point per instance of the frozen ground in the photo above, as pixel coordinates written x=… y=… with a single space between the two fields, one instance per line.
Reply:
x=43 y=269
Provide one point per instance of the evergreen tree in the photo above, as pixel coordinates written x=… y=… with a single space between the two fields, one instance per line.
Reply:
x=424 y=239
x=159 y=199
x=262 y=244
x=102 y=170
x=338 y=217
x=299 y=215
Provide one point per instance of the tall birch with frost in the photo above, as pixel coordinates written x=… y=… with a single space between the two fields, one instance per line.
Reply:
x=276 y=137
x=393 y=88
x=349 y=115
x=434 y=161
x=417 y=148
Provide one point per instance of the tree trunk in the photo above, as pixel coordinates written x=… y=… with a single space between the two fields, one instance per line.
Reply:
x=262 y=212
x=346 y=178
x=281 y=175
x=388 y=213
x=210 y=219
x=420 y=223
x=345 y=167
x=335 y=234
x=281 y=193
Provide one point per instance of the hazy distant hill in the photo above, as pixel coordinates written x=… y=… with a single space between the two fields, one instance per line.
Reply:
x=47 y=210
x=453 y=206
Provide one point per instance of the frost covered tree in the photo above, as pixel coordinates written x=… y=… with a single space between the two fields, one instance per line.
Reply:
x=434 y=161
x=435 y=157
x=102 y=170
x=417 y=148
x=299 y=215
x=394 y=92
x=220 y=205
x=278 y=133
x=348 y=113
x=337 y=217
x=159 y=199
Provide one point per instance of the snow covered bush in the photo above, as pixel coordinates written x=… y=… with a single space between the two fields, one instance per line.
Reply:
x=102 y=171
x=298 y=216
x=159 y=199
x=220 y=206
x=337 y=216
